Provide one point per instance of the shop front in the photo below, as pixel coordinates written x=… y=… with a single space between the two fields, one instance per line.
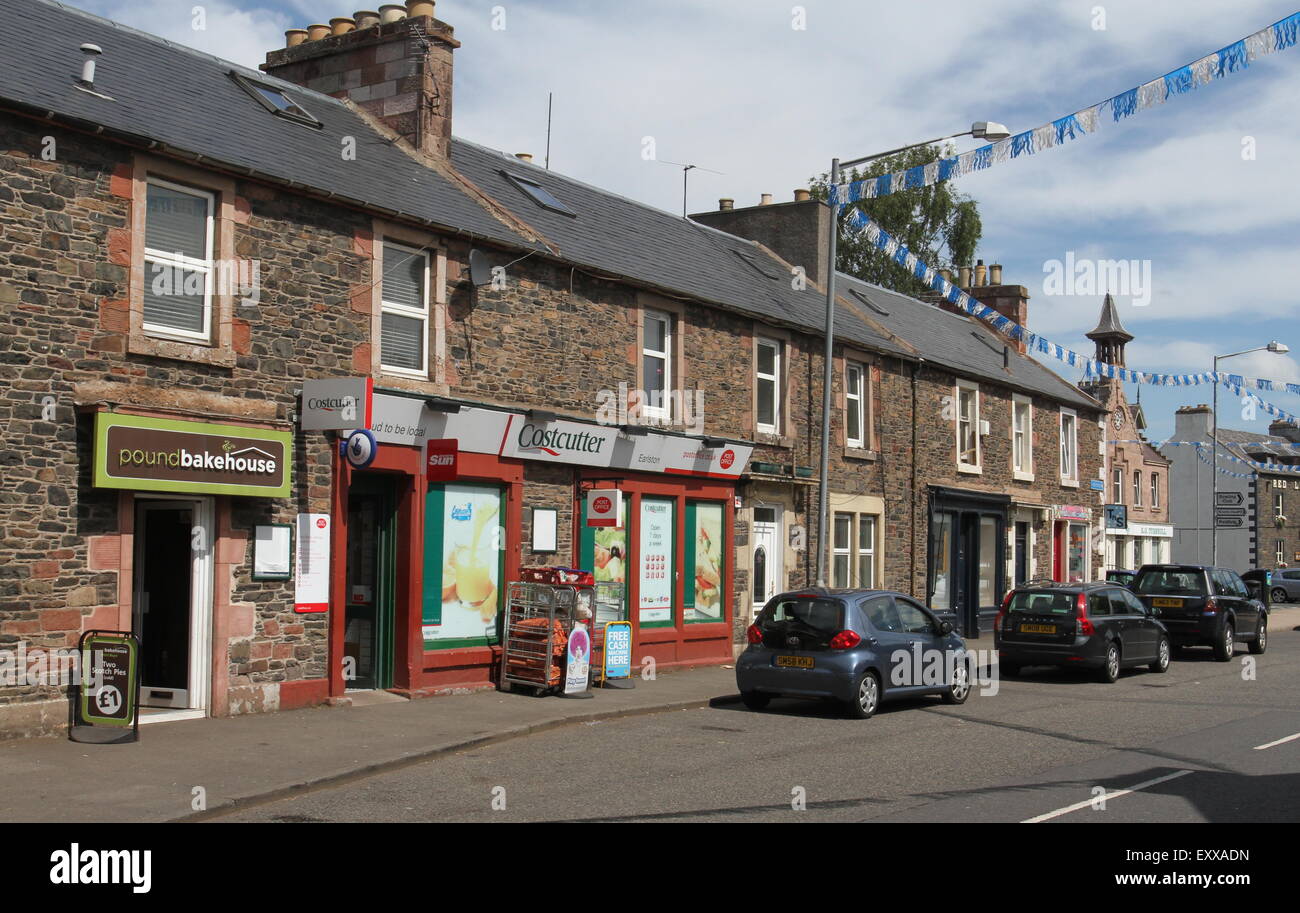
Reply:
x=967 y=556
x=1138 y=544
x=176 y=479
x=1070 y=544
x=431 y=550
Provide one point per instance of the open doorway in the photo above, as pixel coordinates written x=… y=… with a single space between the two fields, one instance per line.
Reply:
x=368 y=633
x=171 y=608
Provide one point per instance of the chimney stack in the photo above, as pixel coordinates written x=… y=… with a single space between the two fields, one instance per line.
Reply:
x=798 y=232
x=979 y=272
x=395 y=66
x=802 y=195
x=1011 y=301
x=765 y=200
x=1286 y=430
x=726 y=204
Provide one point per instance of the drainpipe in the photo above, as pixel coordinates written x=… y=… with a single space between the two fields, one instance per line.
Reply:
x=916 y=368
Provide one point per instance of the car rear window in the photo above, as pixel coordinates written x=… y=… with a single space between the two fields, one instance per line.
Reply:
x=825 y=616
x=1170 y=582
x=1043 y=603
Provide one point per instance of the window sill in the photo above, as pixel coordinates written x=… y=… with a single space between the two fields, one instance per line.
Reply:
x=859 y=453
x=1069 y=483
x=969 y=470
x=770 y=439
x=181 y=351
x=1023 y=476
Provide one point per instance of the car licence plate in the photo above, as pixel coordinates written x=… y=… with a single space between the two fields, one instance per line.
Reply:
x=1167 y=603
x=1038 y=629
x=795 y=662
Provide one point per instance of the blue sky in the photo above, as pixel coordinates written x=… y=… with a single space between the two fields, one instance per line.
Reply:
x=733 y=86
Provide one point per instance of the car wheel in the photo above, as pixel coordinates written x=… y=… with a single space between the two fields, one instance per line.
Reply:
x=1260 y=643
x=959 y=690
x=1161 y=663
x=1278 y=594
x=866 y=696
x=755 y=700
x=1226 y=646
x=1110 y=668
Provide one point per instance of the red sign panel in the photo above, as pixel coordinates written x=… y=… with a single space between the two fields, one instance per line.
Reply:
x=440 y=460
x=603 y=507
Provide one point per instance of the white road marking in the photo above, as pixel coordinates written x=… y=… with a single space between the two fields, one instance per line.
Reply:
x=1290 y=738
x=1107 y=797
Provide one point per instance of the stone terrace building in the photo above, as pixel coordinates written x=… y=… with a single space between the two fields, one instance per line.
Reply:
x=1137 y=476
x=487 y=301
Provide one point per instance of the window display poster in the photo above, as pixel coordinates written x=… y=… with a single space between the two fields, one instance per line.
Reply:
x=609 y=549
x=655 y=566
x=704 y=558
x=463 y=550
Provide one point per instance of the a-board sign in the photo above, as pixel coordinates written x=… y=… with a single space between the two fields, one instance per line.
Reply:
x=617 y=662
x=578 y=660
x=110 y=676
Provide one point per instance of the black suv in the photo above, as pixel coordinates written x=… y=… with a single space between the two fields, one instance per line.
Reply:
x=1204 y=606
x=1098 y=626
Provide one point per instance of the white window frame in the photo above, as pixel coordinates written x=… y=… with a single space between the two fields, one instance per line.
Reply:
x=776 y=346
x=1280 y=554
x=171 y=260
x=1155 y=491
x=847 y=552
x=1278 y=505
x=387 y=307
x=1070 y=473
x=974 y=421
x=1117 y=485
x=852 y=551
x=855 y=404
x=869 y=552
x=1025 y=471
x=662 y=412
x=1137 y=487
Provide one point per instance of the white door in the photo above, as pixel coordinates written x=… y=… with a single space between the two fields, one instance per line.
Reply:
x=768 y=551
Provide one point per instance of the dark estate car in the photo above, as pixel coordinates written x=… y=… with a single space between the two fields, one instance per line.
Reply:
x=1204 y=606
x=855 y=646
x=1098 y=626
x=1122 y=577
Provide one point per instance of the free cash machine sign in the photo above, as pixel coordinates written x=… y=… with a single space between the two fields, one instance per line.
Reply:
x=153 y=454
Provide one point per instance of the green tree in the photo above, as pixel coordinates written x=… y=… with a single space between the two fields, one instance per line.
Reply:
x=938 y=224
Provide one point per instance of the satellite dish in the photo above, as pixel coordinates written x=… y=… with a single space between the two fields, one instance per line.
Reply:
x=480 y=269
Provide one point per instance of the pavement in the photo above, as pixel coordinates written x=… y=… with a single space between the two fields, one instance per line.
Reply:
x=192 y=769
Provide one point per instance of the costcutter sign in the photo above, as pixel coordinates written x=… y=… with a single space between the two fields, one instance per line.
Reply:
x=337 y=404
x=152 y=454
x=405 y=421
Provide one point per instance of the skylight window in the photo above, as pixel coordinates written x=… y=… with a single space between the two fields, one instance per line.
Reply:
x=275 y=100
x=539 y=194
x=753 y=261
x=868 y=302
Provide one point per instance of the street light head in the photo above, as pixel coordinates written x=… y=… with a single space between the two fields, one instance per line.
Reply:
x=1280 y=348
x=989 y=130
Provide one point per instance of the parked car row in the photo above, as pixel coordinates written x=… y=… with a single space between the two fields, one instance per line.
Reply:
x=862 y=647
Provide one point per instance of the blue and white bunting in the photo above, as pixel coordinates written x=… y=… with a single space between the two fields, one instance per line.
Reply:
x=1227 y=60
x=898 y=252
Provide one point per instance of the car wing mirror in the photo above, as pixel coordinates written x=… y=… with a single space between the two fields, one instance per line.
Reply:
x=945 y=627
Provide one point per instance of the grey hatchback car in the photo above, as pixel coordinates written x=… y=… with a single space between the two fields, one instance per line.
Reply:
x=859 y=647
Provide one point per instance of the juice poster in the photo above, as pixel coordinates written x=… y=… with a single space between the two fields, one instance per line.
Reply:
x=610 y=557
x=708 y=561
x=471 y=564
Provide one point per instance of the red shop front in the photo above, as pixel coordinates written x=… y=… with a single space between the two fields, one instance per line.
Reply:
x=420 y=569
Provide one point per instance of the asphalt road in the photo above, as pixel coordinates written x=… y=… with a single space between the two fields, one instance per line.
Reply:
x=1050 y=745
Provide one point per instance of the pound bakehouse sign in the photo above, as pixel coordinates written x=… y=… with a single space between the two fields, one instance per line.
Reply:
x=152 y=454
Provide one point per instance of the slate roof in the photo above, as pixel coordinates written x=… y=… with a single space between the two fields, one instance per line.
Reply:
x=638 y=241
x=1261 y=447
x=184 y=99
x=172 y=94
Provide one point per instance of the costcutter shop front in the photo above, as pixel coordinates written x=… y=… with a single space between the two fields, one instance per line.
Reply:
x=419 y=587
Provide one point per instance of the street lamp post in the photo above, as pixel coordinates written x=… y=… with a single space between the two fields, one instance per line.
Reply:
x=1274 y=346
x=987 y=130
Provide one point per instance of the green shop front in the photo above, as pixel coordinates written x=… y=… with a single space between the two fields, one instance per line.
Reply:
x=420 y=594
